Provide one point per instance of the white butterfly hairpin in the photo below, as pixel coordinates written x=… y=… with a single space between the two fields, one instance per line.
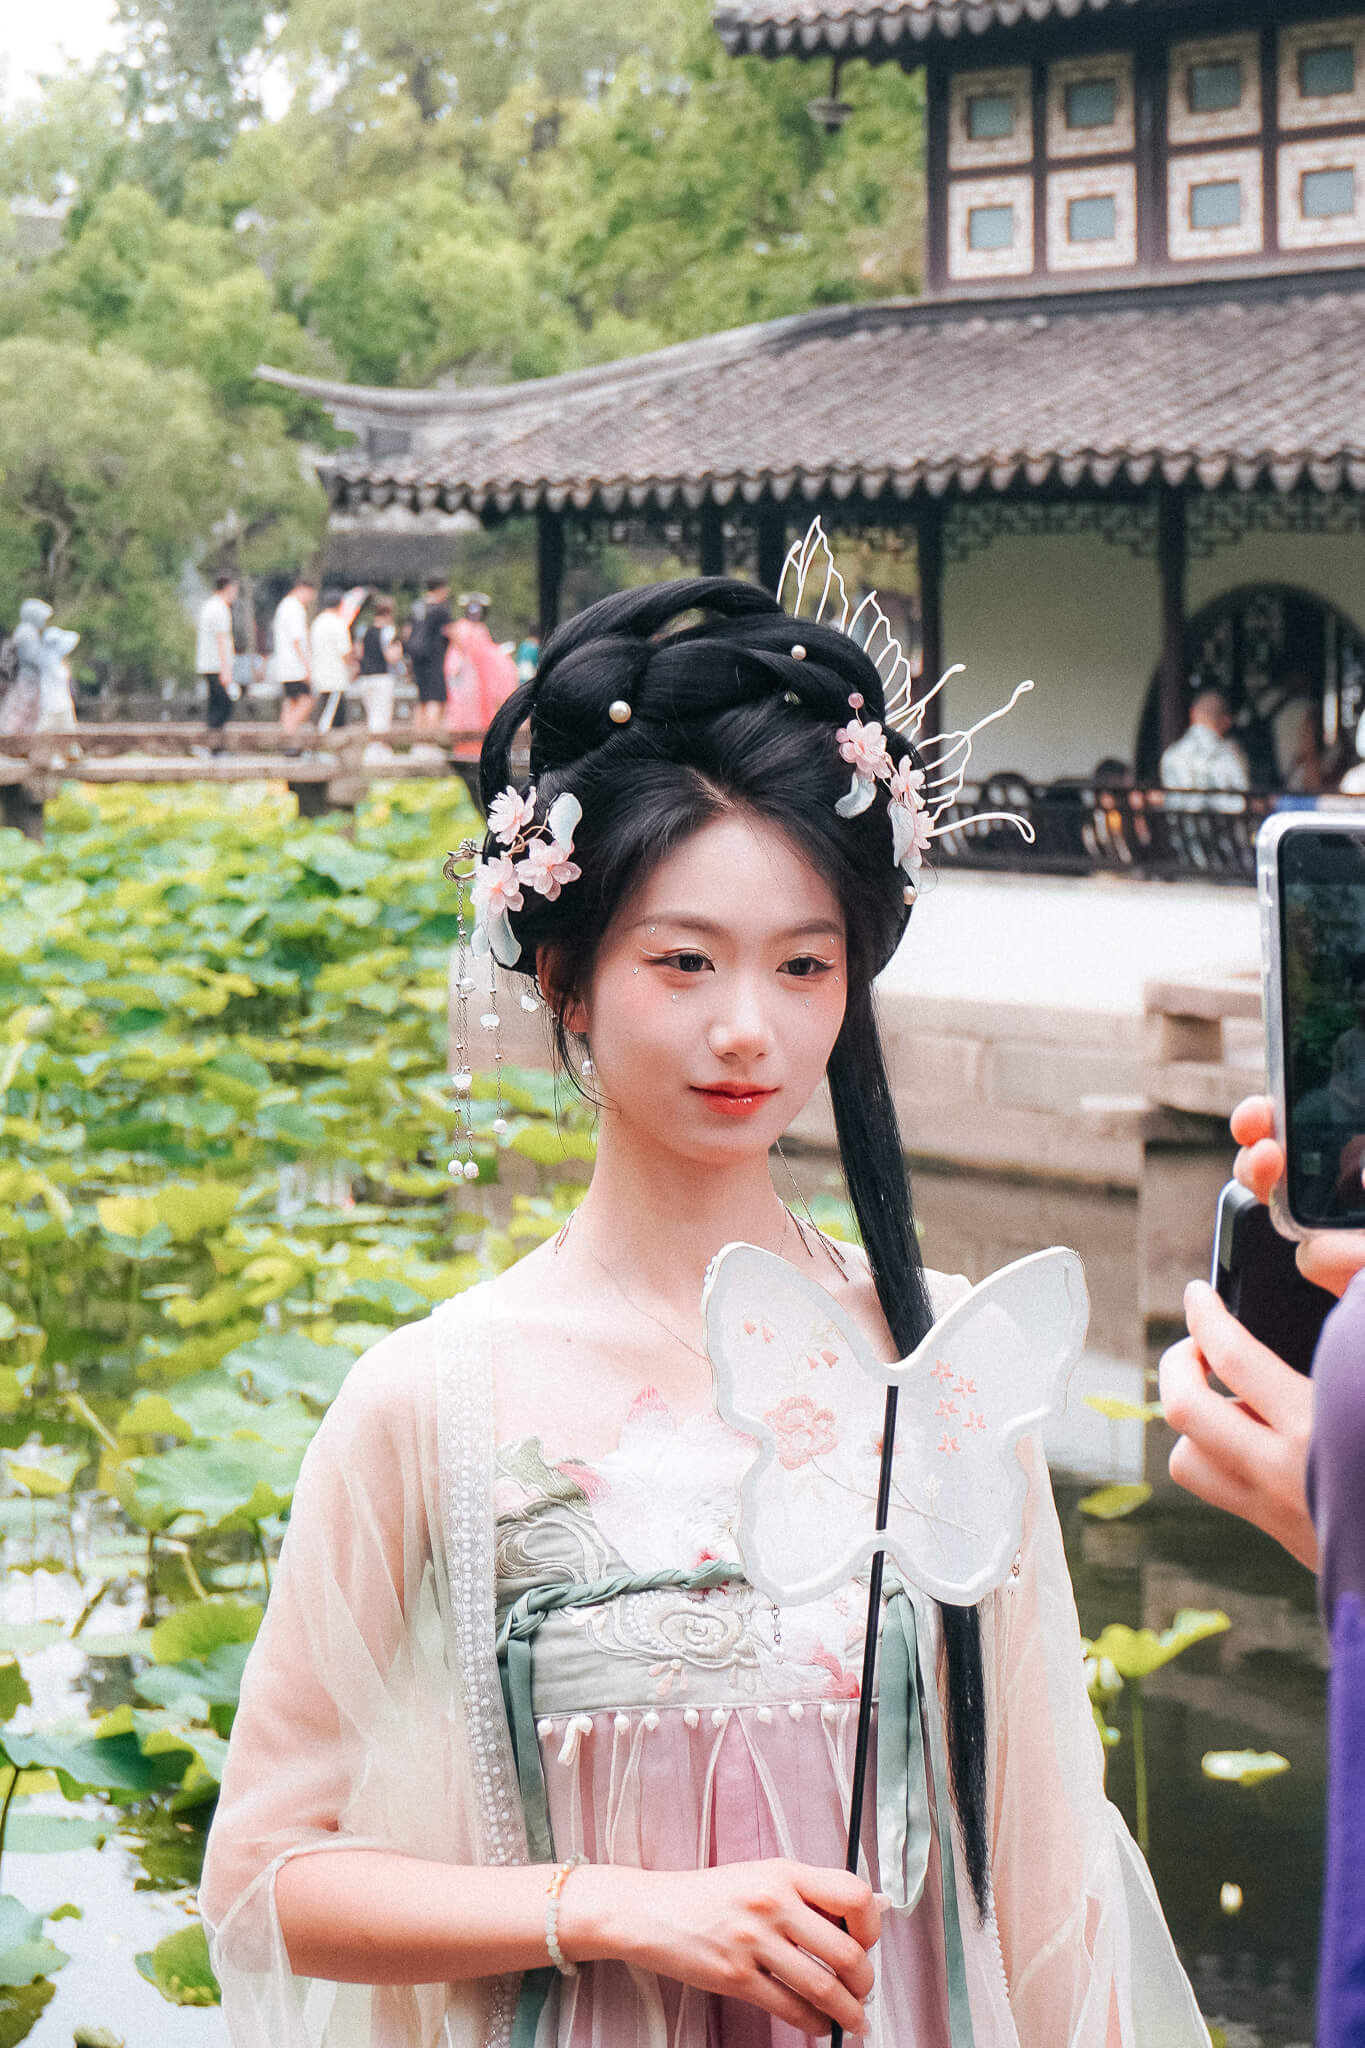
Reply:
x=795 y=1373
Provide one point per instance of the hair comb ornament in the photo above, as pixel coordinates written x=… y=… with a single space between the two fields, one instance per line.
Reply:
x=535 y=856
x=919 y=799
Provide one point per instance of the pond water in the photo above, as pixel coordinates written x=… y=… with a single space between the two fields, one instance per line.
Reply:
x=1259 y=1686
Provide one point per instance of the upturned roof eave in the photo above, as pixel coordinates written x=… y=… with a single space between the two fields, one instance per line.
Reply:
x=885 y=29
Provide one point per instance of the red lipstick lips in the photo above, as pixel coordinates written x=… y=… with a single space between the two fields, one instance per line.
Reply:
x=735 y=1098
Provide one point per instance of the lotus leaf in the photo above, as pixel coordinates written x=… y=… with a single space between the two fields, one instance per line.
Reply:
x=14 y=1692
x=25 y=1951
x=43 y=1470
x=286 y=1362
x=1136 y=1652
x=89 y=1762
x=232 y=1485
x=215 y=1681
x=52 y=1834
x=1243 y=1766
x=180 y=1969
x=1109 y=1503
x=204 y=1627
x=1119 y=1410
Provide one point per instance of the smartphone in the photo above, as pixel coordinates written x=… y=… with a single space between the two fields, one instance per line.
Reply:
x=1255 y=1274
x=1310 y=871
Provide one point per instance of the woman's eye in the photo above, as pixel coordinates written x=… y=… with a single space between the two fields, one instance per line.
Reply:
x=806 y=966
x=685 y=963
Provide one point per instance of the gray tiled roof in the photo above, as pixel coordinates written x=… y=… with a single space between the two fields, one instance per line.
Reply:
x=852 y=26
x=901 y=396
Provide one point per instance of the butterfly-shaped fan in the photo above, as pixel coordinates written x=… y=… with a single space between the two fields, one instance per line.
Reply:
x=795 y=1373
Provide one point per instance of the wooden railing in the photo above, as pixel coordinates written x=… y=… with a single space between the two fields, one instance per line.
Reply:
x=1084 y=829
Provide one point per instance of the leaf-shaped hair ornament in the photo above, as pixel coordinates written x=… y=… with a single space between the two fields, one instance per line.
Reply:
x=795 y=1373
x=812 y=587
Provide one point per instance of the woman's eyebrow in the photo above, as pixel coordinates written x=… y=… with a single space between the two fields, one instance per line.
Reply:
x=684 y=920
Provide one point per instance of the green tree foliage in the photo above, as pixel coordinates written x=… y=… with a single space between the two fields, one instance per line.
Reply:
x=113 y=473
x=466 y=189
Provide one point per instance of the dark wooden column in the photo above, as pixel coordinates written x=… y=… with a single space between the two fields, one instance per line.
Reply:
x=1170 y=563
x=929 y=569
x=549 y=567
x=770 y=520
x=712 y=540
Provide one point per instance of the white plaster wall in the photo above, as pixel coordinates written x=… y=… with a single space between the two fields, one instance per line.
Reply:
x=1332 y=566
x=1078 y=614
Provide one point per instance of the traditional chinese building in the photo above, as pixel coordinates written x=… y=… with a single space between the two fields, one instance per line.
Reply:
x=1125 y=424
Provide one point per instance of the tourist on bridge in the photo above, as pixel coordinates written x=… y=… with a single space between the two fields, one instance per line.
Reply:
x=428 y=642
x=19 y=708
x=291 y=663
x=479 y=674
x=215 y=655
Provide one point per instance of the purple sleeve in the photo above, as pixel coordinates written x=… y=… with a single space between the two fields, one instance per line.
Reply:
x=1336 y=1457
x=1341 y=1963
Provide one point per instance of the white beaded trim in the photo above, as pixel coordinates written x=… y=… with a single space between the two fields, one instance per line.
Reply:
x=465 y=1411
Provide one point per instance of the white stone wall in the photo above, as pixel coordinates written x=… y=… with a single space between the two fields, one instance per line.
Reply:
x=1078 y=614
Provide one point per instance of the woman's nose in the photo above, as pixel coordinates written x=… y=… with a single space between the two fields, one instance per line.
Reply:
x=741 y=1030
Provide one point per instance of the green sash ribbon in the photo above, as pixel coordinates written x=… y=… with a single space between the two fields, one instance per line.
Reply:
x=905 y=1763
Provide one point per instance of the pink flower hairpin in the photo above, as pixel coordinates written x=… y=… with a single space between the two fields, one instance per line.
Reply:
x=536 y=857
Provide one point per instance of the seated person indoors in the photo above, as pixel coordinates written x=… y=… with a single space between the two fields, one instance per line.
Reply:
x=1204 y=757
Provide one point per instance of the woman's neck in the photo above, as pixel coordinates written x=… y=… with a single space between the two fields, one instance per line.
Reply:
x=657 y=1221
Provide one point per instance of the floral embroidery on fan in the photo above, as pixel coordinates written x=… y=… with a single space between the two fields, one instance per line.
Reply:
x=803 y=1431
x=948 y=1446
x=942 y=1372
x=946 y=1407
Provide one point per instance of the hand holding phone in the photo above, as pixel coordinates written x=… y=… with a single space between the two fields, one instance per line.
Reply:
x=1311 y=886
x=1256 y=1274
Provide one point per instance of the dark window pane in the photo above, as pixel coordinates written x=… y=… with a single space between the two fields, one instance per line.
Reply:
x=990 y=116
x=1325 y=193
x=1094 y=219
x=1216 y=206
x=1327 y=71
x=1092 y=103
x=1215 y=87
x=991 y=227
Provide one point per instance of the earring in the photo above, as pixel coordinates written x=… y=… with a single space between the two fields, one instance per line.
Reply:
x=462 y=1079
x=586 y=1067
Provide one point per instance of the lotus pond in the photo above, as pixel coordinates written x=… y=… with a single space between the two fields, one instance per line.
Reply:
x=224 y=1127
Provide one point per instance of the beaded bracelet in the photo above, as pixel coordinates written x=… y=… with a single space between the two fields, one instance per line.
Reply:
x=553 y=1890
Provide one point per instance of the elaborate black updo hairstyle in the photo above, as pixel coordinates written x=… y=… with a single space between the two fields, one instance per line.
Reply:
x=725 y=716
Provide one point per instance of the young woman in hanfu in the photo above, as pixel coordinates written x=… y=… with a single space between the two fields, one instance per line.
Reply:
x=520 y=1755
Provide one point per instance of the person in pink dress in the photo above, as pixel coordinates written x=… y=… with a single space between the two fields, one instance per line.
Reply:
x=521 y=1757
x=480 y=675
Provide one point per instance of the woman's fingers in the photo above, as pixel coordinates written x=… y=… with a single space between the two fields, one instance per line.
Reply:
x=1259 y=1167
x=1248 y=1368
x=1332 y=1258
x=770 y=1994
x=839 y=1895
x=1253 y=1119
x=1222 y=1429
x=837 y=1950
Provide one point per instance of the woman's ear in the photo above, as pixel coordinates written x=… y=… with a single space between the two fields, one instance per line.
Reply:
x=556 y=987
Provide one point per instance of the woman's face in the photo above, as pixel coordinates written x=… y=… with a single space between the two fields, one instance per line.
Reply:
x=718 y=994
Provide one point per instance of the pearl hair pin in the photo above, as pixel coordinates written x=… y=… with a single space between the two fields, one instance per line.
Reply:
x=618 y=711
x=798 y=652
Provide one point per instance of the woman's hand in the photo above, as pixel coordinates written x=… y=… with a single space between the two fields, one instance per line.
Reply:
x=1331 y=1258
x=1246 y=1451
x=765 y=1932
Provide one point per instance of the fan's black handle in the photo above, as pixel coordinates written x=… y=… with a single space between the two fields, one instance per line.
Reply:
x=863 y=1739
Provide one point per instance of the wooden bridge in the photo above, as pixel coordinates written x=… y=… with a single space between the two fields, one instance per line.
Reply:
x=326 y=771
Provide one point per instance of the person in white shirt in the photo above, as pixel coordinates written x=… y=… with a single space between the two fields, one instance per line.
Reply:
x=213 y=654
x=1204 y=758
x=292 y=661
x=333 y=659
